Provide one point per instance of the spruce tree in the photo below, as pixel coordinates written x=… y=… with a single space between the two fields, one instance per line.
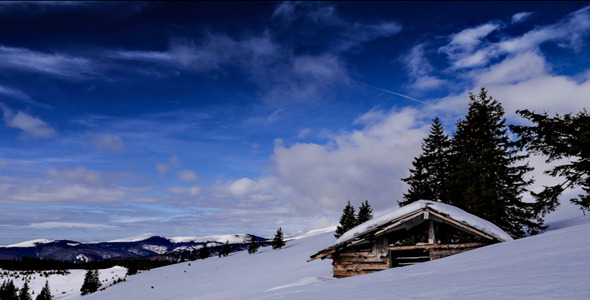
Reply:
x=348 y=220
x=430 y=169
x=91 y=282
x=24 y=292
x=226 y=250
x=560 y=137
x=204 y=252
x=194 y=254
x=8 y=291
x=253 y=247
x=45 y=293
x=485 y=179
x=365 y=212
x=278 y=241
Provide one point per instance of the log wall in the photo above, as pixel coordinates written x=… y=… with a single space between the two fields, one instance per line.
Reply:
x=358 y=262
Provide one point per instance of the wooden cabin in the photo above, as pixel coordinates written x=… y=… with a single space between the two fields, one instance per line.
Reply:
x=418 y=232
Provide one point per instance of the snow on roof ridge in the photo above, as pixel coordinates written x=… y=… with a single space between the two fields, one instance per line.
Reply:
x=452 y=211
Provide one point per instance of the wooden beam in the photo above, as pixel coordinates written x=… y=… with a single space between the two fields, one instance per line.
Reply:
x=463 y=226
x=443 y=246
x=403 y=220
x=431 y=238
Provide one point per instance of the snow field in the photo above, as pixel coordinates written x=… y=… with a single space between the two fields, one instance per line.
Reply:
x=64 y=286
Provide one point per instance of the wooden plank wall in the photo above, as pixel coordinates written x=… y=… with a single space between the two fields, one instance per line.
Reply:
x=358 y=262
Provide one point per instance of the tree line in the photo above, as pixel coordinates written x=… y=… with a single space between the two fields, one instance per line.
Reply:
x=8 y=291
x=481 y=168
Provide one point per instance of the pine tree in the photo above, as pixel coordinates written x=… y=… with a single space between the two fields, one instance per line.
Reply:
x=91 y=282
x=348 y=220
x=226 y=250
x=278 y=241
x=8 y=291
x=24 y=292
x=430 y=169
x=45 y=293
x=253 y=247
x=485 y=179
x=204 y=252
x=365 y=212
x=194 y=254
x=560 y=137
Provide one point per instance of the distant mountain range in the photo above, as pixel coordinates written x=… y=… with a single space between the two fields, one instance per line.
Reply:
x=154 y=246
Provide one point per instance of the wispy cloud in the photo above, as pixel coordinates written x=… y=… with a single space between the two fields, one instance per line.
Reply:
x=521 y=17
x=108 y=142
x=419 y=70
x=61 y=225
x=467 y=49
x=31 y=127
x=20 y=96
x=63 y=65
x=347 y=35
x=187 y=175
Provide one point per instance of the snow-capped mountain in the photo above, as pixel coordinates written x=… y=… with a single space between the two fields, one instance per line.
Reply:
x=174 y=247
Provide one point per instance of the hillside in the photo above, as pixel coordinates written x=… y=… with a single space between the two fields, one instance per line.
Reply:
x=555 y=264
x=143 y=246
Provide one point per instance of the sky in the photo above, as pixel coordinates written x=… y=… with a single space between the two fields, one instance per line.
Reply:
x=186 y=119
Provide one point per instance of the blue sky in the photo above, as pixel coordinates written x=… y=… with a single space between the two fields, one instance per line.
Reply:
x=182 y=119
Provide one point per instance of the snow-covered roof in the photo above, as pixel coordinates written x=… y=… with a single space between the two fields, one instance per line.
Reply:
x=453 y=213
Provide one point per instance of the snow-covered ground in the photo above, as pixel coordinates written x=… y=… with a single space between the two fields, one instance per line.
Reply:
x=63 y=286
x=552 y=265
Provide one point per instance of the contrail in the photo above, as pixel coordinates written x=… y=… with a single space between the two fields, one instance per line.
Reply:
x=391 y=92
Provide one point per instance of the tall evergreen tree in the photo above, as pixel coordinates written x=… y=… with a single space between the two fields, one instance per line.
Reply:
x=91 y=282
x=427 y=178
x=365 y=212
x=45 y=293
x=254 y=245
x=23 y=294
x=204 y=252
x=8 y=291
x=226 y=250
x=485 y=179
x=278 y=241
x=560 y=137
x=348 y=220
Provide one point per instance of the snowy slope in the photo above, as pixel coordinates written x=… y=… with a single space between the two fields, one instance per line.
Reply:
x=239 y=276
x=553 y=265
x=65 y=286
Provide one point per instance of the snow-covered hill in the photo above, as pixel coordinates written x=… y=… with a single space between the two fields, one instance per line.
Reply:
x=552 y=265
x=141 y=246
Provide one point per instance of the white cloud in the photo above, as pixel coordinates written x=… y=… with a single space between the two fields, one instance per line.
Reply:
x=419 y=70
x=354 y=166
x=303 y=133
x=187 y=175
x=82 y=175
x=467 y=40
x=467 y=50
x=520 y=17
x=30 y=126
x=55 y=225
x=162 y=168
x=14 y=93
x=522 y=66
x=62 y=65
x=108 y=142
